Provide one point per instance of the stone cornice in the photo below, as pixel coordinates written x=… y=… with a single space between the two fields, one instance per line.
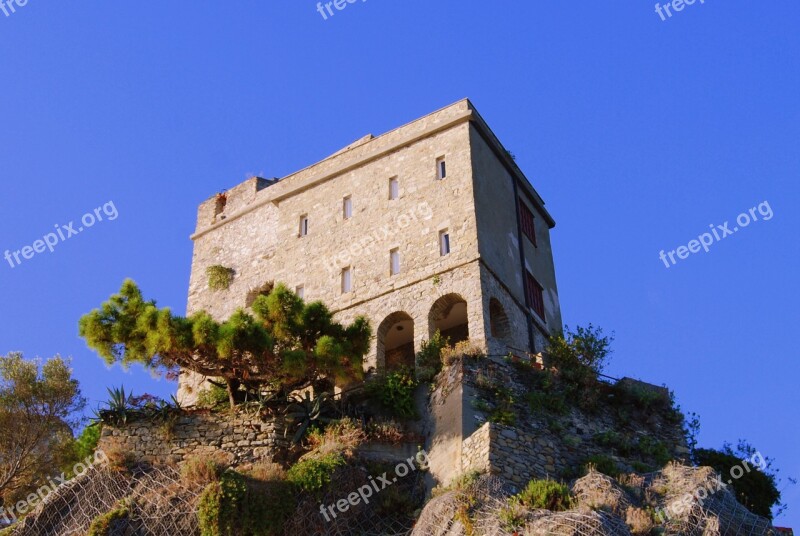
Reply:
x=361 y=154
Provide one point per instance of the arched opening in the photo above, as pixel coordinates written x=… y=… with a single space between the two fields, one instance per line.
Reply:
x=396 y=342
x=498 y=321
x=449 y=316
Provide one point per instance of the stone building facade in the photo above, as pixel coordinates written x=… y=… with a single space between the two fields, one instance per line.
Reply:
x=429 y=226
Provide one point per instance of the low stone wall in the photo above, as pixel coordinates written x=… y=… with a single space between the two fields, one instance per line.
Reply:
x=242 y=437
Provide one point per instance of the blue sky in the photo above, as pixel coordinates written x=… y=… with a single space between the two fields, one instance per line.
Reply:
x=638 y=132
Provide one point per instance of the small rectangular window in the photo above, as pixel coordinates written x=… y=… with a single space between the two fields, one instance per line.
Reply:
x=535 y=295
x=444 y=242
x=526 y=222
x=394 y=262
x=347 y=280
x=347 y=207
x=303 y=225
x=300 y=290
x=441 y=168
x=394 y=188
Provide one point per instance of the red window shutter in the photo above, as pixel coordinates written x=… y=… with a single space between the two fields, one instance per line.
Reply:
x=535 y=296
x=526 y=221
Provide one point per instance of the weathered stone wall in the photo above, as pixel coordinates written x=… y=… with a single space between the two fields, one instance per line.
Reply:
x=516 y=339
x=257 y=233
x=542 y=446
x=498 y=237
x=245 y=438
x=446 y=425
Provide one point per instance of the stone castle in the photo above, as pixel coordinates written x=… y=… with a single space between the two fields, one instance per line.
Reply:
x=429 y=226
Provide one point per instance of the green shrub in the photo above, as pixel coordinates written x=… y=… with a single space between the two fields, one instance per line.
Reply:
x=219 y=503
x=103 y=524
x=641 y=467
x=583 y=351
x=313 y=474
x=603 y=464
x=81 y=448
x=555 y=426
x=219 y=277
x=395 y=391
x=395 y=501
x=462 y=482
x=495 y=399
x=547 y=402
x=757 y=488
x=213 y=397
x=429 y=358
x=544 y=494
x=651 y=449
x=236 y=506
x=512 y=516
x=504 y=416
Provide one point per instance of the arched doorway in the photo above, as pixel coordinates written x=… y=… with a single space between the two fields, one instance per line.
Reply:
x=396 y=342
x=449 y=315
x=498 y=321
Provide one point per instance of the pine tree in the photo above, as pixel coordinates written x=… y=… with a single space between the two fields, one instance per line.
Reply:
x=284 y=345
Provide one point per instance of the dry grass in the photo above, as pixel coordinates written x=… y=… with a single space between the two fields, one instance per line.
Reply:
x=600 y=492
x=265 y=471
x=389 y=431
x=202 y=469
x=343 y=436
x=120 y=457
x=639 y=521
x=466 y=349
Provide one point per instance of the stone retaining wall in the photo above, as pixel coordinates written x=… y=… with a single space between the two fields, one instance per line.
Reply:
x=242 y=437
x=548 y=446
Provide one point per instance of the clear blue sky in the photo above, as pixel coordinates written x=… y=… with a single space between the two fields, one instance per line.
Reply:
x=638 y=132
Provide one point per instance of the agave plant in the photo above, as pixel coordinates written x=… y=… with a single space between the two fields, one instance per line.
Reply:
x=305 y=411
x=257 y=404
x=119 y=404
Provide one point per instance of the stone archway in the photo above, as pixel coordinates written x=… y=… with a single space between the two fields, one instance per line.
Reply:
x=499 y=326
x=395 y=342
x=449 y=315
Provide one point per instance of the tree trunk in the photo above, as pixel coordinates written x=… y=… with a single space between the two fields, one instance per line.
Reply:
x=233 y=387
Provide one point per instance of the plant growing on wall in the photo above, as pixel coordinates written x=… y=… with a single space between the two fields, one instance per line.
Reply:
x=429 y=358
x=396 y=392
x=286 y=345
x=219 y=277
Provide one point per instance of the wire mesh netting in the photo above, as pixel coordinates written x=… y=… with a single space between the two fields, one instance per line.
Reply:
x=716 y=510
x=160 y=503
x=603 y=506
x=389 y=512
